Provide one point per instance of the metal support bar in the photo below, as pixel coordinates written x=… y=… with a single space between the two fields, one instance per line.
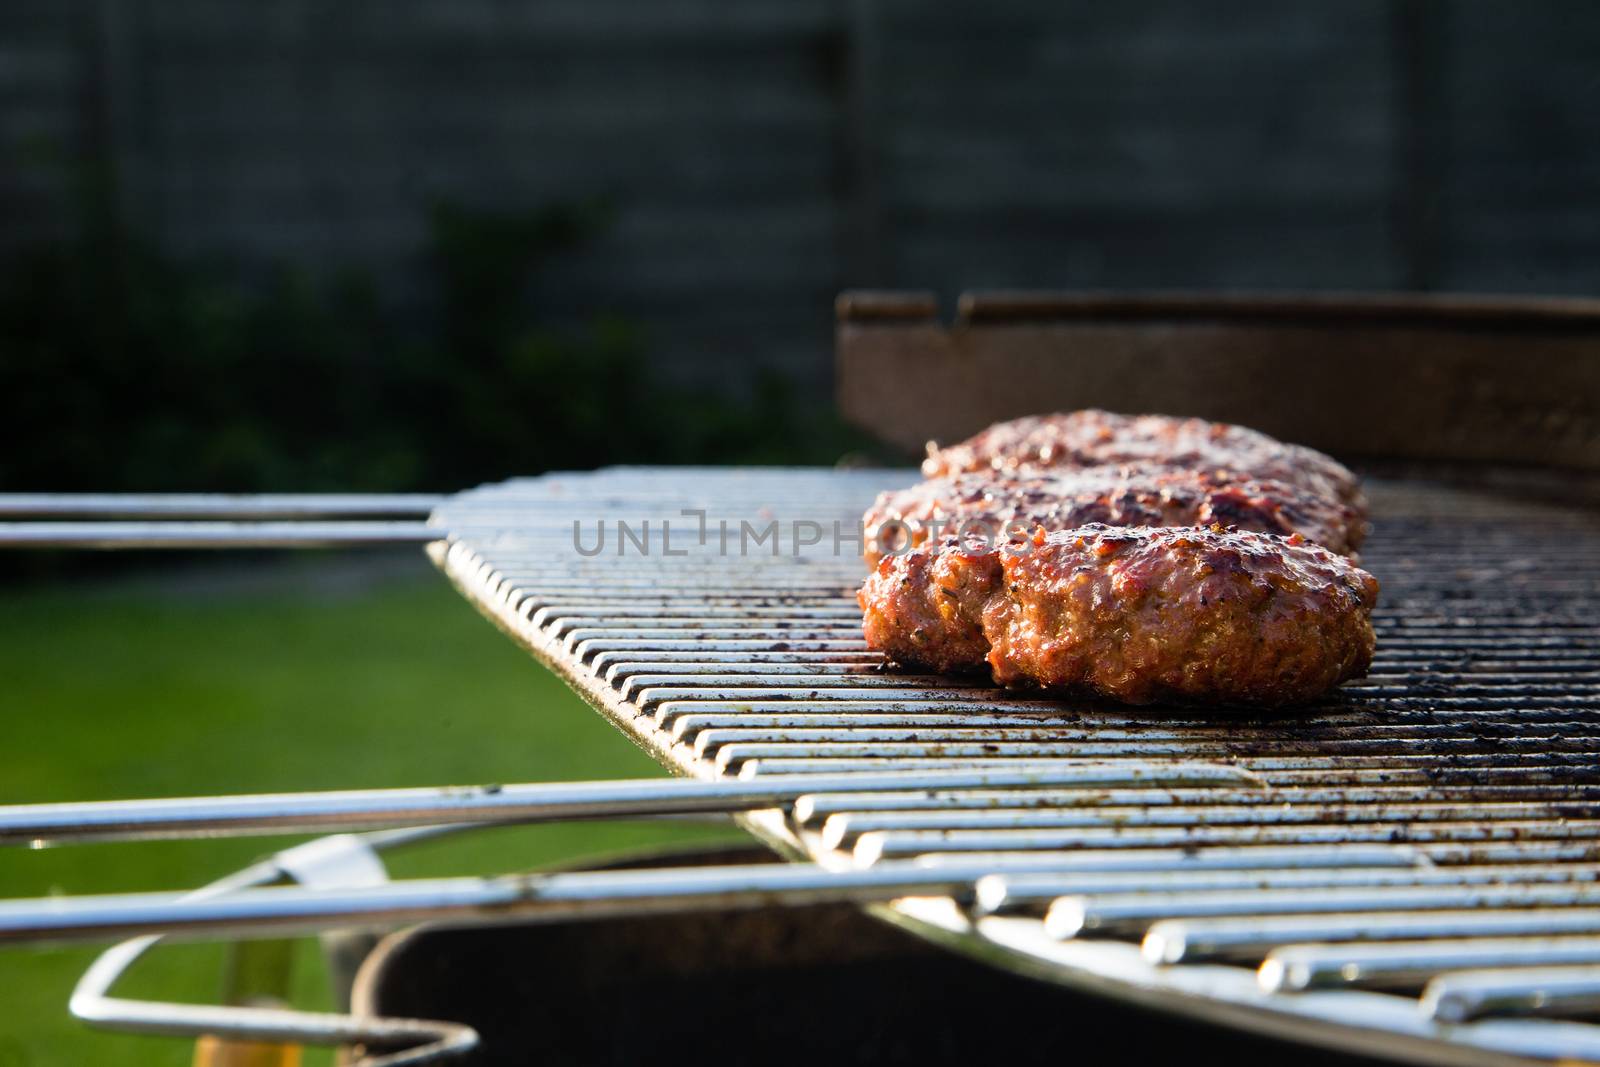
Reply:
x=38 y=825
x=217 y=506
x=113 y=535
x=524 y=898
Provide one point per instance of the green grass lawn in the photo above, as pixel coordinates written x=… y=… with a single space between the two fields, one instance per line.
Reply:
x=117 y=689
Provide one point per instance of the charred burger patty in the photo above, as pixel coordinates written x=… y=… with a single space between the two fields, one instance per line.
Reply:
x=994 y=506
x=1096 y=438
x=1138 y=614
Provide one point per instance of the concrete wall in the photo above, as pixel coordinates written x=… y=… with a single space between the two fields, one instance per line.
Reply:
x=764 y=153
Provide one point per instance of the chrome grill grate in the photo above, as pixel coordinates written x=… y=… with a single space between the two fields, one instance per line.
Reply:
x=1385 y=869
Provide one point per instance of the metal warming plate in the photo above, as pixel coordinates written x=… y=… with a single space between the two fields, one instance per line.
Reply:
x=1408 y=869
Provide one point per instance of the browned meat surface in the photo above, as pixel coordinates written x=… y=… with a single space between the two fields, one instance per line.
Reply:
x=1136 y=614
x=991 y=505
x=1097 y=438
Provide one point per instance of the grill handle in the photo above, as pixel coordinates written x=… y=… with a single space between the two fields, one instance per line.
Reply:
x=323 y=861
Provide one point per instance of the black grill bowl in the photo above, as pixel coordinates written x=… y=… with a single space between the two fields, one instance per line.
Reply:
x=774 y=986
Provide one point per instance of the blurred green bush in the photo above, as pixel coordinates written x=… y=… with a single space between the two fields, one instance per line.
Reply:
x=123 y=368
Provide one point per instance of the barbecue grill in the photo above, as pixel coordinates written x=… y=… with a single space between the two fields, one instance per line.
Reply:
x=1409 y=869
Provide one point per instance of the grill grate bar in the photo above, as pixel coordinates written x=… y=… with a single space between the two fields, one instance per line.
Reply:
x=1000 y=894
x=1131 y=913
x=880 y=845
x=1458 y=998
x=842 y=829
x=1350 y=801
x=1410 y=964
x=888 y=697
x=1331 y=770
x=1251 y=938
x=731 y=758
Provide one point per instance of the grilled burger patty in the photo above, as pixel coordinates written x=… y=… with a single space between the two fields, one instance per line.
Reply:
x=991 y=506
x=1096 y=438
x=1138 y=614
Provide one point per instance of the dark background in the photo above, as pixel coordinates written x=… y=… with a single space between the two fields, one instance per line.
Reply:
x=425 y=243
